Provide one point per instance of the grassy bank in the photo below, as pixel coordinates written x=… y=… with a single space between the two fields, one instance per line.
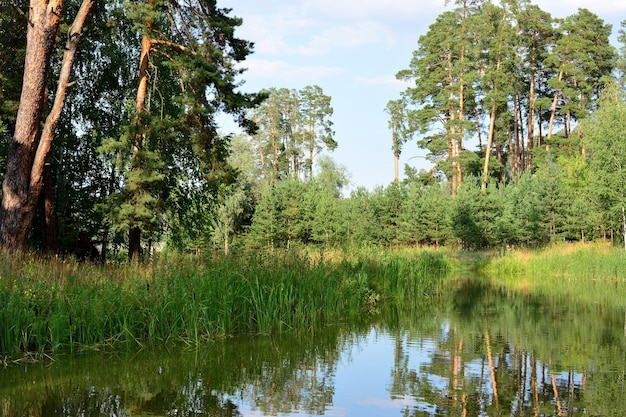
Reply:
x=586 y=272
x=51 y=305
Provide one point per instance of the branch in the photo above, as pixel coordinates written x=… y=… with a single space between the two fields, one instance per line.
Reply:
x=173 y=45
x=20 y=11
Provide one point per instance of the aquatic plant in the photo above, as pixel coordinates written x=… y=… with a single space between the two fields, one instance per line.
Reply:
x=52 y=304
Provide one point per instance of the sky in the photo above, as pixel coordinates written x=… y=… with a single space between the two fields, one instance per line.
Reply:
x=352 y=49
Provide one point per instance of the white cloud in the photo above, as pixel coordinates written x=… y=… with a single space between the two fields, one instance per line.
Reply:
x=271 y=33
x=314 y=28
x=384 y=81
x=606 y=8
x=346 y=36
x=282 y=71
x=373 y=9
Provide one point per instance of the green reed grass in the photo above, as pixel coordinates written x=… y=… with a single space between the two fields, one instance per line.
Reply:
x=586 y=272
x=51 y=305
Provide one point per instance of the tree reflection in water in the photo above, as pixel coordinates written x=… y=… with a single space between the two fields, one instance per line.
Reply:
x=474 y=351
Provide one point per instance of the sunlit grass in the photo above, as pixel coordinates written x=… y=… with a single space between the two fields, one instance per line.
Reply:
x=593 y=272
x=51 y=304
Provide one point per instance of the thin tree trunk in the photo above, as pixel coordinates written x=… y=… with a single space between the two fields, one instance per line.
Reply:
x=492 y=124
x=559 y=407
x=531 y=119
x=478 y=131
x=553 y=110
x=49 y=210
x=226 y=244
x=28 y=150
x=519 y=137
x=452 y=131
x=262 y=156
x=540 y=138
x=624 y=225
x=534 y=385
x=311 y=147
x=514 y=139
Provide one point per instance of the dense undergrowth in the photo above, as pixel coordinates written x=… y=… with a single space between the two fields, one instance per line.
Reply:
x=52 y=305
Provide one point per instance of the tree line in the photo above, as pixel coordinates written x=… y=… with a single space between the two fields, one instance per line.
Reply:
x=510 y=78
x=124 y=151
x=543 y=99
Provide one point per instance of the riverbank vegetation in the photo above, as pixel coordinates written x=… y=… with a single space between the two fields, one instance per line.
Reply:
x=593 y=273
x=247 y=233
x=52 y=305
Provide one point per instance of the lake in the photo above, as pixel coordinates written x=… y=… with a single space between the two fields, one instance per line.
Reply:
x=475 y=350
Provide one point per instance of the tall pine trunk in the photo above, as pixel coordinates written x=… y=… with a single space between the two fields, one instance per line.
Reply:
x=29 y=148
x=553 y=110
x=134 y=234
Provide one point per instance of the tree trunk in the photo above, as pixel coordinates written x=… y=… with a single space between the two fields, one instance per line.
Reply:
x=492 y=371
x=27 y=149
x=553 y=110
x=226 y=244
x=396 y=168
x=134 y=244
x=49 y=210
x=134 y=234
x=530 y=130
x=492 y=124
x=311 y=148
x=624 y=225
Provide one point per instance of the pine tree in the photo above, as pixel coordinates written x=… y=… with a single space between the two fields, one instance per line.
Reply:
x=30 y=144
x=497 y=79
x=443 y=69
x=400 y=131
x=605 y=139
x=190 y=61
x=581 y=57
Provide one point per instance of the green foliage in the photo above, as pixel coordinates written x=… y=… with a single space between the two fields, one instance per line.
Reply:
x=606 y=141
x=425 y=217
x=12 y=49
x=584 y=273
x=512 y=65
x=362 y=227
x=294 y=127
x=169 y=172
x=53 y=305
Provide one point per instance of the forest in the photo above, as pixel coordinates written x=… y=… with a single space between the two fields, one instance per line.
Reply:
x=111 y=146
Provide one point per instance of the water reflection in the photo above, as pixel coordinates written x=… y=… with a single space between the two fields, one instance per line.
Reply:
x=475 y=351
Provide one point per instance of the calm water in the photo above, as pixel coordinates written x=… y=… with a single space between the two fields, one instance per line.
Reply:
x=476 y=351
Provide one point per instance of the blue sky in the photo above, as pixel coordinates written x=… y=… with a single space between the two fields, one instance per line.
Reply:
x=353 y=49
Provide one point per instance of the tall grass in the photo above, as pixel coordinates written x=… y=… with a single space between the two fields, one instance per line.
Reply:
x=49 y=305
x=586 y=272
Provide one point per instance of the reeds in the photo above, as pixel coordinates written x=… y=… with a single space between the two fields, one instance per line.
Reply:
x=50 y=305
x=584 y=272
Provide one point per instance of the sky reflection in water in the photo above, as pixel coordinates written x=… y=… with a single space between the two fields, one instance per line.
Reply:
x=547 y=357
